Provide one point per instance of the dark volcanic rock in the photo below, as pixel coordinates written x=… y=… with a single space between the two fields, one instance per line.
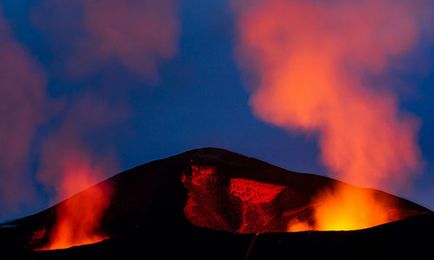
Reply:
x=208 y=204
x=411 y=238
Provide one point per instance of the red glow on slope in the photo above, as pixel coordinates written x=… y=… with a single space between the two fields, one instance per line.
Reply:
x=204 y=203
x=256 y=198
x=250 y=206
x=243 y=206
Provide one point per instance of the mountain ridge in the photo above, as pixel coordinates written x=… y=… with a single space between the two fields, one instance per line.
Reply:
x=151 y=200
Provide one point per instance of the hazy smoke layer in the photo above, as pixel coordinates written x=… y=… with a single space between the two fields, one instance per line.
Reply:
x=138 y=34
x=22 y=105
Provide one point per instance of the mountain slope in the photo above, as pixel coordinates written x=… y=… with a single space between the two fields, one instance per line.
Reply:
x=183 y=204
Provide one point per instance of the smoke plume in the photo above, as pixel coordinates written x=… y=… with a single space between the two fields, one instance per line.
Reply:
x=70 y=165
x=313 y=60
x=68 y=162
x=137 y=35
x=83 y=36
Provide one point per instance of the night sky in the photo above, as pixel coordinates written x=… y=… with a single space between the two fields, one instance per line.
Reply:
x=116 y=85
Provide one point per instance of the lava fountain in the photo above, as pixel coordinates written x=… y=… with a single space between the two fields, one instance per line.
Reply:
x=78 y=218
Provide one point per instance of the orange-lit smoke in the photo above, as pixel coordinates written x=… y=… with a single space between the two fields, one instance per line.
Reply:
x=22 y=107
x=312 y=61
x=69 y=166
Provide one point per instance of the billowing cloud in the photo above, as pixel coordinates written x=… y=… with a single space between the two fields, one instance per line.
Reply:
x=312 y=61
x=137 y=34
x=22 y=107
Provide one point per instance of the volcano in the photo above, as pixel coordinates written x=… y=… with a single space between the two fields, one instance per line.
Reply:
x=214 y=204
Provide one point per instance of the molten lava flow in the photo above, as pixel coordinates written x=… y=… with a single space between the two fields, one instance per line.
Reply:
x=78 y=218
x=315 y=63
x=205 y=202
x=235 y=205
x=257 y=210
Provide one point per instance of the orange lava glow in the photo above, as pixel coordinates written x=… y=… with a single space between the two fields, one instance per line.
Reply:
x=346 y=208
x=312 y=62
x=79 y=217
x=298 y=226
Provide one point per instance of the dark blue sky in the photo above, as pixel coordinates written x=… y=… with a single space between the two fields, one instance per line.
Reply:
x=198 y=100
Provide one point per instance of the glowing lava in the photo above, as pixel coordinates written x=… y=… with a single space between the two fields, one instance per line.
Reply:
x=345 y=208
x=79 y=217
x=250 y=206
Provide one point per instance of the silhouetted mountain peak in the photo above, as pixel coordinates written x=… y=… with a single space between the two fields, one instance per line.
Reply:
x=197 y=203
